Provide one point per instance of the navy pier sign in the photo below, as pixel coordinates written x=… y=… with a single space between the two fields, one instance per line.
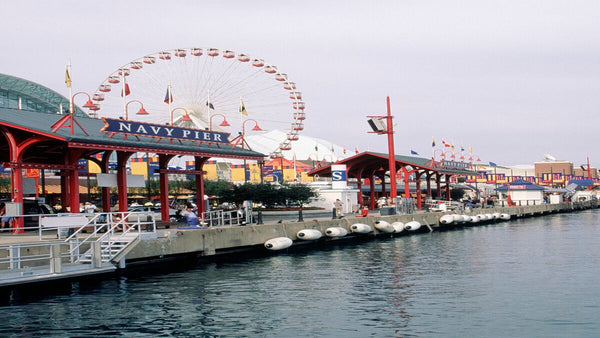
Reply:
x=454 y=165
x=137 y=128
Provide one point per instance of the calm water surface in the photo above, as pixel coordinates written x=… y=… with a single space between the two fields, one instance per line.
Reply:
x=531 y=277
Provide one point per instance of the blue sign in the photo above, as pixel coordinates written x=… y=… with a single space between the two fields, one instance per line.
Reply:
x=163 y=131
x=338 y=175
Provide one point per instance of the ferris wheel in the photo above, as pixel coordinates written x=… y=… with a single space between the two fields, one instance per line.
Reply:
x=204 y=88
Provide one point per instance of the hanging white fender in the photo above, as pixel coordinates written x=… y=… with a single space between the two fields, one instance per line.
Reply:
x=505 y=217
x=447 y=219
x=360 y=228
x=278 y=243
x=384 y=226
x=412 y=226
x=398 y=227
x=309 y=234
x=336 y=232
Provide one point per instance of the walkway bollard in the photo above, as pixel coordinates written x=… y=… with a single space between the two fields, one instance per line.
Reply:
x=259 y=218
x=333 y=214
x=300 y=216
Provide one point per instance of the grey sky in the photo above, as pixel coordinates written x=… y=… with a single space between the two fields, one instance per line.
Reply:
x=514 y=79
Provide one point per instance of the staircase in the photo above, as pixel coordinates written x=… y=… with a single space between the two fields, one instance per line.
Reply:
x=112 y=248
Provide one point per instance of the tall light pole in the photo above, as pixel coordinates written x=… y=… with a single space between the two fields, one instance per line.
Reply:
x=391 y=153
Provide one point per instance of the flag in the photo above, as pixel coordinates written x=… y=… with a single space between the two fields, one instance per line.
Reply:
x=242 y=108
x=445 y=144
x=68 y=77
x=452 y=147
x=493 y=164
x=470 y=149
x=168 y=95
x=356 y=150
x=316 y=147
x=412 y=152
x=432 y=142
x=344 y=150
x=127 y=91
x=462 y=148
x=210 y=105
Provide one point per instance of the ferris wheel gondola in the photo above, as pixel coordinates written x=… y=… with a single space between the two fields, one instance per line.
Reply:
x=206 y=83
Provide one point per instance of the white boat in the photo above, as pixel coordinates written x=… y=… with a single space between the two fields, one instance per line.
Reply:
x=278 y=243
x=360 y=228
x=336 y=232
x=398 y=227
x=384 y=226
x=309 y=234
x=412 y=226
x=446 y=219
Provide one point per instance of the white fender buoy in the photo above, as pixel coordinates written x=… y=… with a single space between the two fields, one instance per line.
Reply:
x=278 y=243
x=360 y=228
x=384 y=226
x=505 y=217
x=336 y=232
x=398 y=227
x=482 y=217
x=489 y=217
x=466 y=218
x=309 y=234
x=447 y=219
x=457 y=218
x=474 y=219
x=496 y=215
x=412 y=226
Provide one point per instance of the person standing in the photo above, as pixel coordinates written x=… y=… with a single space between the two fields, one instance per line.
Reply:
x=338 y=207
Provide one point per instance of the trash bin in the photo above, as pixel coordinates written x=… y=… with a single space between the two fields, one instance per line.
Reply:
x=386 y=211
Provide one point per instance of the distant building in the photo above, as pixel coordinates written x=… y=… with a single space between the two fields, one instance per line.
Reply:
x=553 y=167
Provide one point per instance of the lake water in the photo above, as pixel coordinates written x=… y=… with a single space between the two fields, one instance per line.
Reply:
x=529 y=277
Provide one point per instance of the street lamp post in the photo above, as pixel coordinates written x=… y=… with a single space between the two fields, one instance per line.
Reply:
x=222 y=124
x=142 y=111
x=185 y=117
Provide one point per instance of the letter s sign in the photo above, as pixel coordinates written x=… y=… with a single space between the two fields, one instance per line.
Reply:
x=338 y=176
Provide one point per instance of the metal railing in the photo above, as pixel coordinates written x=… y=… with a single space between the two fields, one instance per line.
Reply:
x=221 y=217
x=111 y=224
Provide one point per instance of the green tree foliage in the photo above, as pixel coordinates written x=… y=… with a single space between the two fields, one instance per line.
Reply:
x=270 y=195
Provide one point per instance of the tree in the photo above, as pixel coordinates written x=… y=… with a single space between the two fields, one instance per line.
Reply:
x=299 y=194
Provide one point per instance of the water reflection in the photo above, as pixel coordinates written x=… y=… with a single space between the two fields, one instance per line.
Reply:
x=530 y=277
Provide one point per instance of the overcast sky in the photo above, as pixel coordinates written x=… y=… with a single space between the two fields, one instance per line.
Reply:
x=513 y=79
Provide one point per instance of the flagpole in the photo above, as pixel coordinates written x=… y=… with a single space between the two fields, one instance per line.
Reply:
x=70 y=89
x=124 y=94
x=208 y=106
x=169 y=100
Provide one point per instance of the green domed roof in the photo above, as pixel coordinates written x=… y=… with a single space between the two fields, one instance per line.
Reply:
x=34 y=97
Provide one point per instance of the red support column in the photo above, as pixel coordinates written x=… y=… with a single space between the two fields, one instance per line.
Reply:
x=428 y=177
x=17 y=197
x=163 y=164
x=448 y=187
x=383 y=192
x=359 y=198
x=73 y=159
x=64 y=189
x=122 y=157
x=105 y=190
x=406 y=186
x=372 y=192
x=199 y=164
x=438 y=191
x=418 y=184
